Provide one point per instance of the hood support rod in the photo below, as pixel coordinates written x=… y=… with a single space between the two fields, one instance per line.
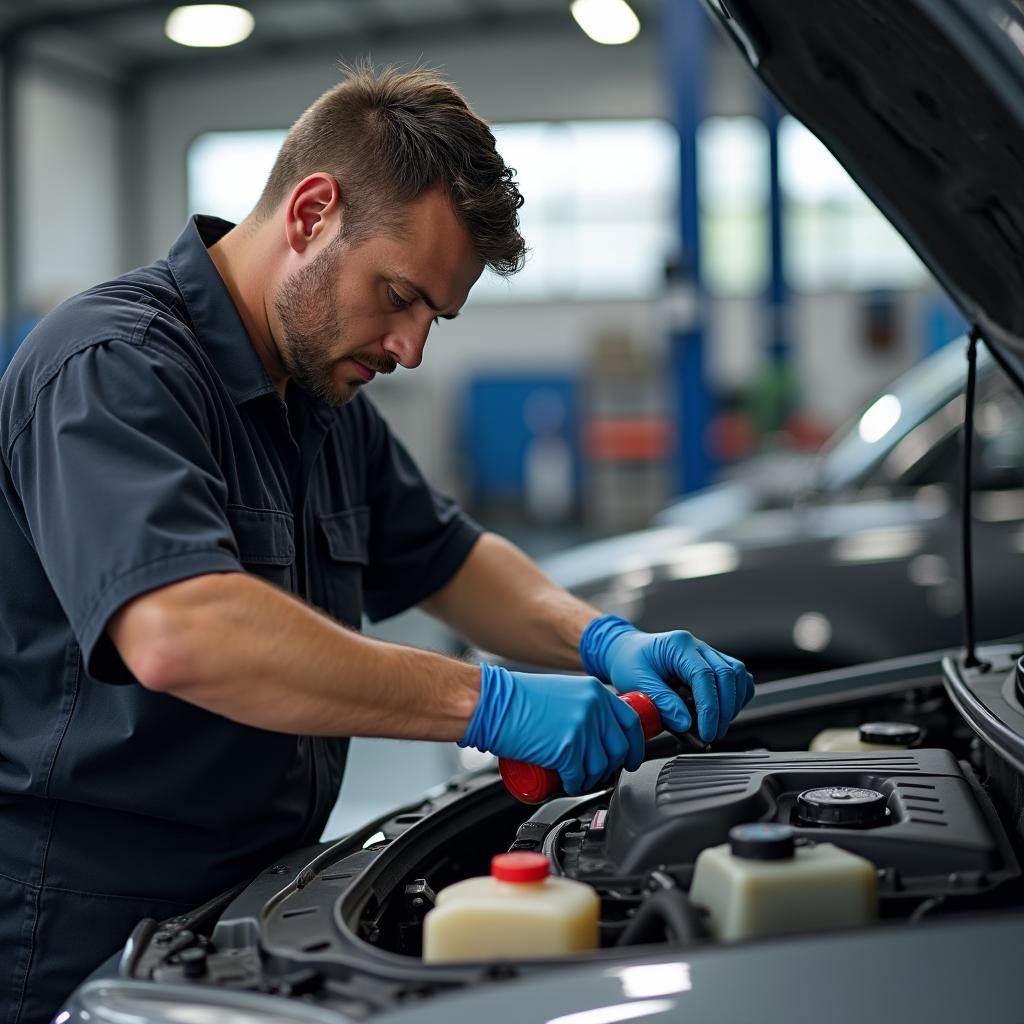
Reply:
x=1004 y=364
x=970 y=655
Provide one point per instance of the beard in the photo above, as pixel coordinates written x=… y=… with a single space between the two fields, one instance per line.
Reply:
x=314 y=330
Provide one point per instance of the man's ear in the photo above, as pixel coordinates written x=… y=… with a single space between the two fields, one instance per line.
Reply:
x=312 y=211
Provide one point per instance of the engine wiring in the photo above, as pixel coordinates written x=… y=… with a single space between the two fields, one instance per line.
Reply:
x=666 y=915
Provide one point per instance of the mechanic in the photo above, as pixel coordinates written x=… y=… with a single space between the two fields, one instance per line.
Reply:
x=199 y=503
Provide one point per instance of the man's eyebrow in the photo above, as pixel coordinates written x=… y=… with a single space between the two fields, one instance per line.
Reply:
x=421 y=292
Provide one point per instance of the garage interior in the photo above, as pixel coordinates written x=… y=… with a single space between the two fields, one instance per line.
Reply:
x=705 y=283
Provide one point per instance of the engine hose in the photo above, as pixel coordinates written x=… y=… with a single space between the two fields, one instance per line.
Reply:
x=926 y=908
x=668 y=911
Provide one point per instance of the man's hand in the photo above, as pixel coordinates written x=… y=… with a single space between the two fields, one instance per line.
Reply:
x=573 y=724
x=658 y=663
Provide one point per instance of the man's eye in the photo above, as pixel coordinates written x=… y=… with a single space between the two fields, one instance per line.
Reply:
x=396 y=300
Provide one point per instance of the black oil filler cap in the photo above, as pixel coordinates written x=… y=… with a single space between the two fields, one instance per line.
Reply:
x=841 y=807
x=764 y=840
x=895 y=734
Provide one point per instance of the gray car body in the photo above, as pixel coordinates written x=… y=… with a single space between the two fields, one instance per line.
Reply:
x=847 y=979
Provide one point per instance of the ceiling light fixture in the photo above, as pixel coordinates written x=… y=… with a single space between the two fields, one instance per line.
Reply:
x=611 y=22
x=209 y=25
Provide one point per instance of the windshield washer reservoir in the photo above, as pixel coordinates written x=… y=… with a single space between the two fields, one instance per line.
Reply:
x=765 y=883
x=519 y=910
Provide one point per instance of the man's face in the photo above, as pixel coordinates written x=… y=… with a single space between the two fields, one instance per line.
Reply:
x=355 y=311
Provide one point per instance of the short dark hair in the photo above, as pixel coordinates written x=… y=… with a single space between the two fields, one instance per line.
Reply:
x=388 y=137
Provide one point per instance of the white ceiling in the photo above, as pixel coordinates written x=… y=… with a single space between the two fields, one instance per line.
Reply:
x=125 y=37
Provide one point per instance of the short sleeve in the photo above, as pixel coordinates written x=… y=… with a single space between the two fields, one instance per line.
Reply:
x=418 y=537
x=117 y=485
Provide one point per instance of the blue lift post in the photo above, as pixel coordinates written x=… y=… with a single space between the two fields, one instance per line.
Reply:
x=685 y=39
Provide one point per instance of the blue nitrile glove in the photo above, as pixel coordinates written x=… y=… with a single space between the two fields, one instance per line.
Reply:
x=656 y=663
x=573 y=724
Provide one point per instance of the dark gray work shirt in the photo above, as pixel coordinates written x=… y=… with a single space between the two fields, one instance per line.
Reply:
x=142 y=443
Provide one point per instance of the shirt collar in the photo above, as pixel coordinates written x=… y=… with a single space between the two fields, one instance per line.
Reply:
x=214 y=316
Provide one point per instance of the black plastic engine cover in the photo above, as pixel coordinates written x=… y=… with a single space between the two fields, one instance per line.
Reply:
x=939 y=823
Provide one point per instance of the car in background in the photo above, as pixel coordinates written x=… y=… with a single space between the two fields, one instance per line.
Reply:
x=923 y=101
x=806 y=564
x=855 y=458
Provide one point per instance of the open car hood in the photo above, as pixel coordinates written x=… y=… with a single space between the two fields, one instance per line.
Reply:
x=922 y=101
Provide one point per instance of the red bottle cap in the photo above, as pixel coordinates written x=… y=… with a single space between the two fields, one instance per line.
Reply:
x=650 y=719
x=528 y=782
x=520 y=867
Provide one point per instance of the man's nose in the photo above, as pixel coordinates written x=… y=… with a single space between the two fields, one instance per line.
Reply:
x=407 y=343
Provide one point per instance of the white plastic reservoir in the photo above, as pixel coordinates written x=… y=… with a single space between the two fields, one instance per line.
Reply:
x=869 y=736
x=763 y=883
x=519 y=910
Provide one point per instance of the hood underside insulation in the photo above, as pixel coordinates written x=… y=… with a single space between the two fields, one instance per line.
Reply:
x=906 y=110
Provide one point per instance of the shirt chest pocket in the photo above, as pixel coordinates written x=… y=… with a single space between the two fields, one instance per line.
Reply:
x=266 y=543
x=343 y=550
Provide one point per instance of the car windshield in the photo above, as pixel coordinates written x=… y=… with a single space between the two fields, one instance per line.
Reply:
x=859 y=446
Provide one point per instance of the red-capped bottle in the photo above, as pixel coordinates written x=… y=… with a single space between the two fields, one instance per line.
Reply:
x=533 y=784
x=518 y=910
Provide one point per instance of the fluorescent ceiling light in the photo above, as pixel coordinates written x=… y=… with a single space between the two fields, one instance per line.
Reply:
x=606 y=21
x=208 y=25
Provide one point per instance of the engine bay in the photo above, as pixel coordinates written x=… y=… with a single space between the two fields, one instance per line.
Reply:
x=341 y=924
x=916 y=814
x=920 y=816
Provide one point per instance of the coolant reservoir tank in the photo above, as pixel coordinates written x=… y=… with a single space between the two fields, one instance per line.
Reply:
x=519 y=910
x=763 y=883
x=868 y=736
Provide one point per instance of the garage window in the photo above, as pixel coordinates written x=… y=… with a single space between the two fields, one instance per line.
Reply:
x=601 y=208
x=600 y=203
x=834 y=236
x=227 y=171
x=732 y=186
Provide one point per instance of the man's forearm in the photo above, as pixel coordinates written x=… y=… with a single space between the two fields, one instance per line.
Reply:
x=234 y=645
x=502 y=602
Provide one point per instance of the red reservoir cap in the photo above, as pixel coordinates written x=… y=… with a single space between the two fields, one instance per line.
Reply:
x=520 y=867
